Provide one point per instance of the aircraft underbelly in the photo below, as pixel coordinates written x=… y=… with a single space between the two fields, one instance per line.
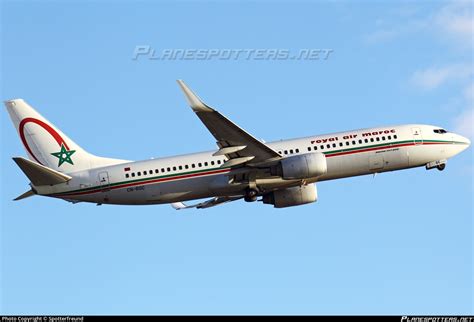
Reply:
x=186 y=189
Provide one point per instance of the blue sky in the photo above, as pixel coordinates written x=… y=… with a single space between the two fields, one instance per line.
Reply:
x=399 y=243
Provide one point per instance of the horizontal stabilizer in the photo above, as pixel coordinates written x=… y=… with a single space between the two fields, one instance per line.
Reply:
x=27 y=194
x=40 y=175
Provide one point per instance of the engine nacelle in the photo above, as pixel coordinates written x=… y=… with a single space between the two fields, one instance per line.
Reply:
x=304 y=166
x=293 y=196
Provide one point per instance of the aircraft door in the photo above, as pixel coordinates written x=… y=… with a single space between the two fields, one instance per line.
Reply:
x=104 y=179
x=417 y=137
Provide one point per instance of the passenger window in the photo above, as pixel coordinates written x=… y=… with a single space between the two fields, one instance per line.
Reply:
x=168 y=169
x=286 y=152
x=139 y=173
x=186 y=166
x=212 y=162
x=309 y=148
x=395 y=137
x=144 y=173
x=371 y=139
x=347 y=143
x=383 y=138
x=133 y=174
x=315 y=148
x=127 y=175
x=322 y=147
x=389 y=137
x=199 y=164
x=366 y=141
x=162 y=170
x=353 y=142
x=291 y=151
x=377 y=139
x=193 y=165
x=328 y=146
x=360 y=141
x=297 y=150
x=156 y=171
x=174 y=168
x=219 y=161
x=334 y=145
x=340 y=144
x=205 y=164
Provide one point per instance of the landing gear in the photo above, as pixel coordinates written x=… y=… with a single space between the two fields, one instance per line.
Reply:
x=440 y=165
x=251 y=195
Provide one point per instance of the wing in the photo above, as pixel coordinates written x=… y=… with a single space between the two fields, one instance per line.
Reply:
x=235 y=143
x=206 y=204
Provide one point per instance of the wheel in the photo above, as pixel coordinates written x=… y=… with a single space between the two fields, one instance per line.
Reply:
x=441 y=167
x=251 y=195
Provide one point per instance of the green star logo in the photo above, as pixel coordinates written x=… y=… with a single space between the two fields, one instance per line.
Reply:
x=64 y=155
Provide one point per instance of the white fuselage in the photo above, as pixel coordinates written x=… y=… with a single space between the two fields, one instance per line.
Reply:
x=201 y=175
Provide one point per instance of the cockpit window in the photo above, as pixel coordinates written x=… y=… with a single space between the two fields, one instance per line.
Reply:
x=440 y=131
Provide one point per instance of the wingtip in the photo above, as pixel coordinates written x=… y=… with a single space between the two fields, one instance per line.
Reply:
x=193 y=100
x=17 y=159
x=24 y=195
x=178 y=205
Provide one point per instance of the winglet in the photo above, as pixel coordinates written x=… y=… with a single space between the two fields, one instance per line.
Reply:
x=193 y=100
x=178 y=205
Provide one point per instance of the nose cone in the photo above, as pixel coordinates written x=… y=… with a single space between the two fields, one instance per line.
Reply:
x=462 y=141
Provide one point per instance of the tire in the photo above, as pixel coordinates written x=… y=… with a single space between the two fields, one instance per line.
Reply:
x=251 y=195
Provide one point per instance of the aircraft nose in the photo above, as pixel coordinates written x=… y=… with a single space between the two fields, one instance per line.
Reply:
x=468 y=142
x=463 y=139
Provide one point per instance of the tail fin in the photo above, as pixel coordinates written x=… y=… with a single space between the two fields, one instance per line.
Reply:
x=47 y=145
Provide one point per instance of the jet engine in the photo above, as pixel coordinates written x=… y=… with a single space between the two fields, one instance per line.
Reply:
x=293 y=196
x=304 y=166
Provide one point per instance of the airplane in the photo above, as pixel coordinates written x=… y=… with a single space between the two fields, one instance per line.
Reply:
x=282 y=173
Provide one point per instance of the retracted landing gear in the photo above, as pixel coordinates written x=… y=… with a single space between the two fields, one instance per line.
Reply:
x=441 y=167
x=251 y=195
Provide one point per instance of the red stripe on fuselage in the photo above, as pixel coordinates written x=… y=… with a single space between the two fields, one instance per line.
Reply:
x=381 y=148
x=184 y=176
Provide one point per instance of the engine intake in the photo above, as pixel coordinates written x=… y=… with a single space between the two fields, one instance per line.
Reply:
x=293 y=196
x=304 y=166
